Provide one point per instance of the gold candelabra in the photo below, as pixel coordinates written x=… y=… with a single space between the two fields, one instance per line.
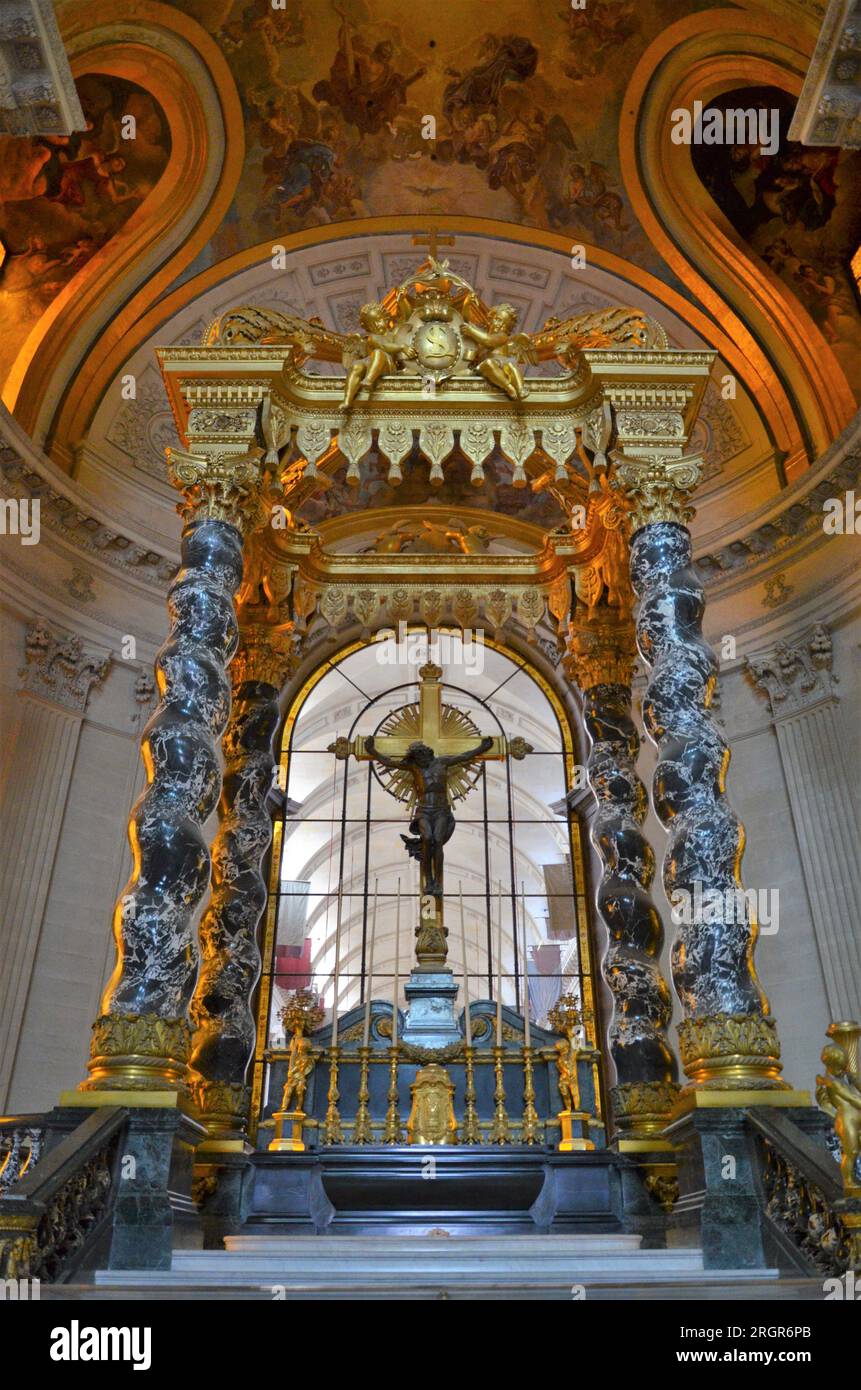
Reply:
x=393 y=1133
x=362 y=1128
x=470 y=1132
x=332 y=1131
x=500 y=1131
x=530 y=1125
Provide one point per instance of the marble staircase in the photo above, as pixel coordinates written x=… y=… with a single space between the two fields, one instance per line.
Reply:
x=436 y=1265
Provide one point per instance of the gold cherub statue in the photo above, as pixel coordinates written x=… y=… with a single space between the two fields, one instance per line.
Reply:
x=566 y=1066
x=380 y=352
x=838 y=1092
x=301 y=1015
x=502 y=350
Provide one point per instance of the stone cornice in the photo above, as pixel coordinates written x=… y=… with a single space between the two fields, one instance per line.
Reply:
x=790 y=522
x=37 y=91
x=74 y=515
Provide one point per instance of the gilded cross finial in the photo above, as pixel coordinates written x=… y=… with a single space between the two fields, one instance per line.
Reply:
x=433 y=240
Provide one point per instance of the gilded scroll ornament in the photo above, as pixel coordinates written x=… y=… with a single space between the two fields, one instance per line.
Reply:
x=497 y=608
x=312 y=440
x=432 y=1120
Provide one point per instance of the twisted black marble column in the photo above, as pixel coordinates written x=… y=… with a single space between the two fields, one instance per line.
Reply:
x=223 y=1041
x=141 y=1039
x=646 y=1072
x=728 y=1038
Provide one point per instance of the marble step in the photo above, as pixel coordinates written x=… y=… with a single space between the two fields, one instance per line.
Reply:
x=429 y=1262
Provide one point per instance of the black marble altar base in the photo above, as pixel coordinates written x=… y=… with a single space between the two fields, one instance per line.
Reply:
x=409 y=1190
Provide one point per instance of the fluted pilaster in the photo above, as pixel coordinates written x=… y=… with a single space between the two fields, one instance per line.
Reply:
x=223 y=1041
x=728 y=1038
x=55 y=684
x=601 y=657
x=798 y=680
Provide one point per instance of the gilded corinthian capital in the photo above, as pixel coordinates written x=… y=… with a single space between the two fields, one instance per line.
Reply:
x=218 y=486
x=659 y=489
x=601 y=651
x=265 y=654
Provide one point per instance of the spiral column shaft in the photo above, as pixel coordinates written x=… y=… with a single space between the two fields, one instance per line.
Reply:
x=224 y=1030
x=728 y=1039
x=141 y=1038
x=601 y=658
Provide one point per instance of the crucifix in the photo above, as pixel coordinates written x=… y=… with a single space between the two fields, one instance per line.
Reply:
x=429 y=752
x=433 y=240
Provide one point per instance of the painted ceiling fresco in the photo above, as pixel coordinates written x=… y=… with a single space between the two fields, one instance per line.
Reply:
x=798 y=210
x=523 y=99
x=336 y=95
x=62 y=198
x=527 y=120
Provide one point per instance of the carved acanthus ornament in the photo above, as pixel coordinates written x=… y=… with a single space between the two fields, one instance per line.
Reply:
x=133 y=1051
x=731 y=1051
x=58 y=668
x=659 y=489
x=265 y=654
x=796 y=676
x=601 y=651
x=217 y=487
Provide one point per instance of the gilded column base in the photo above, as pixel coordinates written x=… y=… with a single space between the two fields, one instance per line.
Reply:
x=731 y=1052
x=138 y=1052
x=641 y=1109
x=222 y=1107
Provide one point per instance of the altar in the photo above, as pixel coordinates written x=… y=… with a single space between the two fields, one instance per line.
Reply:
x=515 y=1159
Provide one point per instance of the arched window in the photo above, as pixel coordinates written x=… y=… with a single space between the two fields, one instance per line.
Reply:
x=338 y=857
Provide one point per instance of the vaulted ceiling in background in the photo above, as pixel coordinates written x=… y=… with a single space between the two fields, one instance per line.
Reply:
x=257 y=125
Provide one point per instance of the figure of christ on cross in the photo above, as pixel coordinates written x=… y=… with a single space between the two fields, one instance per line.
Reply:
x=428 y=761
x=433 y=821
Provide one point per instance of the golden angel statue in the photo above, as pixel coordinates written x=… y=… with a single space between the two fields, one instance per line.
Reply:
x=838 y=1092
x=435 y=326
x=299 y=1068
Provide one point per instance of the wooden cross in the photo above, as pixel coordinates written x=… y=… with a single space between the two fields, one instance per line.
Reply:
x=433 y=240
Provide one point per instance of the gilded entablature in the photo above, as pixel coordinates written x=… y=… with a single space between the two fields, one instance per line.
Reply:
x=435 y=374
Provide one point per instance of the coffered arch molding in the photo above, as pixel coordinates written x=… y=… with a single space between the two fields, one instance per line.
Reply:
x=175 y=60
x=776 y=347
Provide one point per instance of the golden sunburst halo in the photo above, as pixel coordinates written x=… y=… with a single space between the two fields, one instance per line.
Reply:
x=406 y=723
